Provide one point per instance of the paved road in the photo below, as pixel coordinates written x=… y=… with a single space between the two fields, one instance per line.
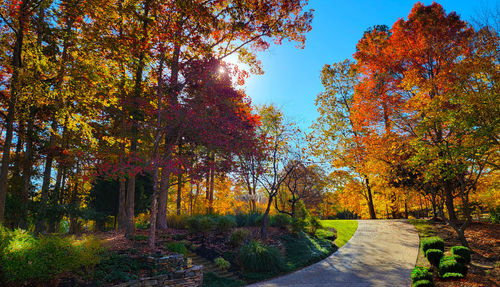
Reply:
x=380 y=253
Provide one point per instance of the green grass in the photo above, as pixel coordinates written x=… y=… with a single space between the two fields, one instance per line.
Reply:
x=424 y=228
x=345 y=230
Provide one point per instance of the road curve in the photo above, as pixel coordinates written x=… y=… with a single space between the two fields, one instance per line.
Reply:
x=380 y=253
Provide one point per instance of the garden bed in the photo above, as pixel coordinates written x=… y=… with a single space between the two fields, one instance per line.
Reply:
x=484 y=240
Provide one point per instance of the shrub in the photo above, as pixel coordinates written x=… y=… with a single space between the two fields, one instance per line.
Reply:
x=177 y=221
x=434 y=256
x=421 y=273
x=463 y=252
x=423 y=283
x=177 y=247
x=449 y=264
x=26 y=258
x=222 y=263
x=432 y=243
x=200 y=223
x=206 y=224
x=249 y=219
x=298 y=225
x=225 y=223
x=117 y=268
x=314 y=224
x=193 y=224
x=238 y=237
x=258 y=257
x=451 y=275
x=495 y=215
x=282 y=221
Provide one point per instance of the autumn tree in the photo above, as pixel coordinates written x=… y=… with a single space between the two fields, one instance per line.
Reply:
x=335 y=139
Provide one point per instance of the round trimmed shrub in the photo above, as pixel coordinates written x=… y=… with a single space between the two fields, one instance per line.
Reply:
x=451 y=275
x=259 y=257
x=423 y=283
x=434 y=256
x=421 y=273
x=432 y=243
x=463 y=252
x=449 y=264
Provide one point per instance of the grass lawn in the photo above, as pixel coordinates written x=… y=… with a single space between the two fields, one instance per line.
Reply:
x=345 y=230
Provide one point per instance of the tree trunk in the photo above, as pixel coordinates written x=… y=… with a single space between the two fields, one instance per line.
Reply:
x=73 y=218
x=130 y=225
x=11 y=110
x=163 y=200
x=27 y=168
x=370 y=199
x=154 y=210
x=450 y=206
x=265 y=220
x=122 y=205
x=135 y=113
x=47 y=176
x=179 y=193
x=211 y=198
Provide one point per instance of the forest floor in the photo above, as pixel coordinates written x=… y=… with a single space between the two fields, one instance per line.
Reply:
x=484 y=240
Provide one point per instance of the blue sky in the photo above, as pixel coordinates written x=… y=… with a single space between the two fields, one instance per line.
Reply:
x=292 y=76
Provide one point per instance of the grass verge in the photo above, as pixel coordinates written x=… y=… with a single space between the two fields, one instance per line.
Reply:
x=345 y=230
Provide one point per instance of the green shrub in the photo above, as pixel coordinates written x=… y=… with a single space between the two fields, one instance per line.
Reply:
x=423 y=283
x=432 y=243
x=314 y=224
x=222 y=263
x=282 y=221
x=117 y=268
x=298 y=225
x=225 y=223
x=177 y=247
x=5 y=236
x=259 y=257
x=249 y=219
x=28 y=259
x=421 y=273
x=177 y=221
x=238 y=237
x=451 y=275
x=449 y=264
x=434 y=256
x=200 y=223
x=463 y=252
x=495 y=215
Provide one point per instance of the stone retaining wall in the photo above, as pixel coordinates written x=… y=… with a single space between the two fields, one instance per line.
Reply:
x=185 y=275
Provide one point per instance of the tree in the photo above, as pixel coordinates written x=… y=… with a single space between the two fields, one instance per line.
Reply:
x=335 y=138
x=304 y=183
x=276 y=168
